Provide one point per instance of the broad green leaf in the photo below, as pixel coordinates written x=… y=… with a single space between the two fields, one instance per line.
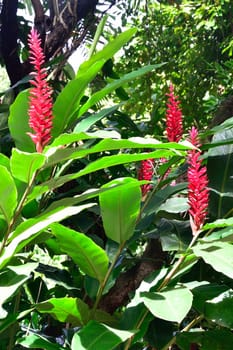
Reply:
x=31 y=228
x=99 y=336
x=175 y=205
x=219 y=223
x=120 y=208
x=87 y=122
x=5 y=161
x=219 y=309
x=71 y=310
x=108 y=51
x=67 y=102
x=102 y=163
x=171 y=304
x=224 y=235
x=35 y=341
x=96 y=97
x=221 y=181
x=24 y=165
x=90 y=258
x=206 y=292
x=8 y=195
x=59 y=155
x=67 y=139
x=219 y=339
x=18 y=123
x=11 y=280
x=218 y=254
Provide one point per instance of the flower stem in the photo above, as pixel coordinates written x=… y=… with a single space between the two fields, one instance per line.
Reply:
x=103 y=284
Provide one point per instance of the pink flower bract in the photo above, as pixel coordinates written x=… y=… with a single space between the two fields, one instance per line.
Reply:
x=198 y=193
x=146 y=172
x=40 y=100
x=174 y=127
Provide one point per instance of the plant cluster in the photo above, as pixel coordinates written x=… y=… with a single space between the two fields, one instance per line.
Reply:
x=97 y=254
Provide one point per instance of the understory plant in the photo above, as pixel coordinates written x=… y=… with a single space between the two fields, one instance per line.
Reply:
x=110 y=242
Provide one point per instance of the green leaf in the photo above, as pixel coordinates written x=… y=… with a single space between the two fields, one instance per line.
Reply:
x=91 y=258
x=71 y=310
x=102 y=163
x=31 y=228
x=218 y=254
x=221 y=181
x=208 y=340
x=34 y=341
x=171 y=304
x=5 y=161
x=219 y=223
x=219 y=309
x=108 y=51
x=11 y=280
x=96 y=97
x=206 y=292
x=175 y=205
x=87 y=122
x=59 y=155
x=67 y=102
x=8 y=195
x=24 y=165
x=120 y=208
x=18 y=123
x=98 y=336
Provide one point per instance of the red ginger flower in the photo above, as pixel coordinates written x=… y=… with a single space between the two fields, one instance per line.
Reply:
x=40 y=108
x=174 y=128
x=146 y=172
x=198 y=193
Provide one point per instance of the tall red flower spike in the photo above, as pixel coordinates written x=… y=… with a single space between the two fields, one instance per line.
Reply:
x=40 y=100
x=146 y=172
x=198 y=193
x=174 y=127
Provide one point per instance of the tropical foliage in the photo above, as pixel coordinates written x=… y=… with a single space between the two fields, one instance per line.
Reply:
x=116 y=234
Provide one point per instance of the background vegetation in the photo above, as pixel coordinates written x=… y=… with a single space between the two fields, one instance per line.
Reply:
x=86 y=261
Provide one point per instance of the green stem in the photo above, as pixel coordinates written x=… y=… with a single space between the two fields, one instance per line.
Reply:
x=17 y=212
x=103 y=284
x=129 y=341
x=185 y=329
x=97 y=35
x=165 y=282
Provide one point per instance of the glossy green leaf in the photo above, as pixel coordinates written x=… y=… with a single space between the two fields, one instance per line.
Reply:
x=171 y=304
x=208 y=340
x=120 y=208
x=90 y=258
x=219 y=223
x=5 y=161
x=102 y=163
x=18 y=123
x=175 y=205
x=11 y=280
x=24 y=165
x=218 y=254
x=96 y=97
x=8 y=195
x=31 y=228
x=206 y=292
x=87 y=122
x=71 y=310
x=35 y=341
x=108 y=51
x=67 y=102
x=219 y=309
x=59 y=155
x=221 y=181
x=99 y=336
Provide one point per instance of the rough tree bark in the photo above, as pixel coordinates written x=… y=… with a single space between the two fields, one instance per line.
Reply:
x=55 y=30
